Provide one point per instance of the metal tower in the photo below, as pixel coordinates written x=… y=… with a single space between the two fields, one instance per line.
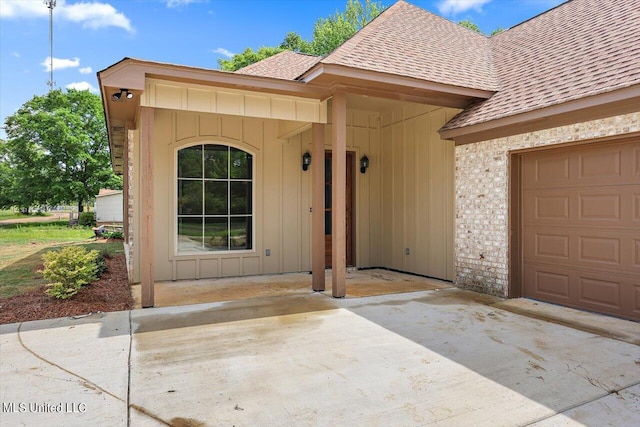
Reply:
x=50 y=4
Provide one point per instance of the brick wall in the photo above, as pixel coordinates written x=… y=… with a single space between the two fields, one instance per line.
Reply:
x=482 y=198
x=128 y=214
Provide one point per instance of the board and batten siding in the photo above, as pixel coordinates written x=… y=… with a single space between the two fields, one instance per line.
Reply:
x=417 y=191
x=405 y=199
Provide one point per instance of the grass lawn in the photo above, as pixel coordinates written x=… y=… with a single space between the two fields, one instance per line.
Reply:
x=22 y=246
x=10 y=214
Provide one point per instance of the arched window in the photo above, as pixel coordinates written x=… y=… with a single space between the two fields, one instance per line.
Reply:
x=215 y=199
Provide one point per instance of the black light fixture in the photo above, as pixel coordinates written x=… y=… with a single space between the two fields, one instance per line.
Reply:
x=306 y=161
x=364 y=164
x=122 y=95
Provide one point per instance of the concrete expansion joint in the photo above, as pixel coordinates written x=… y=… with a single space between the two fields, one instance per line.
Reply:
x=585 y=402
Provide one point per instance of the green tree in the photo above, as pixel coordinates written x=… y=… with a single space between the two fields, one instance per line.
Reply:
x=470 y=25
x=294 y=42
x=247 y=57
x=497 y=31
x=331 y=32
x=57 y=150
x=328 y=34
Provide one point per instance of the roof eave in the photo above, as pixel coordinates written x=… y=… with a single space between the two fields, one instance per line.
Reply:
x=355 y=80
x=618 y=102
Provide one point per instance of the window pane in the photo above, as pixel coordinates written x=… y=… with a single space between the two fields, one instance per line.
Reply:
x=190 y=234
x=240 y=233
x=241 y=198
x=189 y=197
x=327 y=169
x=327 y=222
x=216 y=198
x=216 y=234
x=190 y=162
x=216 y=161
x=327 y=196
x=241 y=164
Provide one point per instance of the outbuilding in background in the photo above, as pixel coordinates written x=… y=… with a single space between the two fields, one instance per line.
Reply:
x=109 y=207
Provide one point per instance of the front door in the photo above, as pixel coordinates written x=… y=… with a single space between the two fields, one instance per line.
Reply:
x=327 y=208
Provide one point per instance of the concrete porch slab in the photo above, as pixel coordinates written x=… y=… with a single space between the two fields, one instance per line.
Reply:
x=359 y=283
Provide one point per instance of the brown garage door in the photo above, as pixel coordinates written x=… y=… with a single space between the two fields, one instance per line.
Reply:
x=581 y=227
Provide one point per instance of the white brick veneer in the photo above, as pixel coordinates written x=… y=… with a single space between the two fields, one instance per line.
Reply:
x=482 y=198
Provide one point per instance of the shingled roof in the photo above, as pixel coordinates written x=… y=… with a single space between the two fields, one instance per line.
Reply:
x=285 y=65
x=409 y=41
x=579 y=49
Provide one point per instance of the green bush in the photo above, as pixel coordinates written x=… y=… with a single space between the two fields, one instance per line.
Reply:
x=114 y=235
x=68 y=270
x=86 y=219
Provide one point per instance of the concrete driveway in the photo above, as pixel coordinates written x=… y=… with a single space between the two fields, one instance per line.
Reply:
x=447 y=357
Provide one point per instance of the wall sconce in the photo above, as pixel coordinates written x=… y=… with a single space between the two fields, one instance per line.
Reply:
x=306 y=161
x=364 y=164
x=122 y=95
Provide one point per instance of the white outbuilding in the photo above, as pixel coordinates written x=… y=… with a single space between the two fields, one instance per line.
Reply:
x=109 y=206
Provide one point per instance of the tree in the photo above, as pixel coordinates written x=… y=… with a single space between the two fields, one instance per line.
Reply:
x=57 y=150
x=474 y=27
x=247 y=57
x=328 y=34
x=470 y=25
x=294 y=42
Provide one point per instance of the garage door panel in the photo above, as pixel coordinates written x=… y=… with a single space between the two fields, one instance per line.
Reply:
x=547 y=282
x=595 y=291
x=580 y=216
x=615 y=295
x=597 y=207
x=618 y=250
x=607 y=164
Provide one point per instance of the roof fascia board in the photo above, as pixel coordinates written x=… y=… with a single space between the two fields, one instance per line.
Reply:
x=133 y=73
x=609 y=104
x=339 y=71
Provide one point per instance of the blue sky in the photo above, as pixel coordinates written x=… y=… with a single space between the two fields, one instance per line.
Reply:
x=90 y=35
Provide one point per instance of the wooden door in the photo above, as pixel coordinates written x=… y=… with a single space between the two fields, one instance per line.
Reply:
x=327 y=209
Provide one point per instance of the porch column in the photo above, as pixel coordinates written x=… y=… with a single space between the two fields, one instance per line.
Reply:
x=317 y=217
x=338 y=203
x=146 y=205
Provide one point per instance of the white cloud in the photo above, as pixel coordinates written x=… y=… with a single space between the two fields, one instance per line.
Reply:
x=179 y=3
x=85 y=70
x=16 y=54
x=82 y=86
x=96 y=15
x=223 y=51
x=60 y=63
x=90 y=15
x=453 y=7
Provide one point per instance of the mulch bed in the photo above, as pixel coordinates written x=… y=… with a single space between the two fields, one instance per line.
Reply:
x=110 y=293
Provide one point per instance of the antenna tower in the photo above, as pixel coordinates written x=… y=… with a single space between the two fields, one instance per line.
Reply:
x=50 y=4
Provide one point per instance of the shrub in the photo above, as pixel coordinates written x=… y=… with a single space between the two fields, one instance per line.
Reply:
x=114 y=235
x=68 y=270
x=86 y=219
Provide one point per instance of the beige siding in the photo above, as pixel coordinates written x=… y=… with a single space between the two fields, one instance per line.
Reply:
x=417 y=191
x=403 y=201
x=207 y=99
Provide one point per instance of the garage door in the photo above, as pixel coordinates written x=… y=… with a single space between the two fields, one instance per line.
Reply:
x=581 y=227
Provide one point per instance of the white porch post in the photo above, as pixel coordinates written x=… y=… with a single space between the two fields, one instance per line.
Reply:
x=146 y=205
x=338 y=204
